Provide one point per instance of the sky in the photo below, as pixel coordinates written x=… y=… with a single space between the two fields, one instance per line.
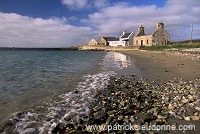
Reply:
x=64 y=23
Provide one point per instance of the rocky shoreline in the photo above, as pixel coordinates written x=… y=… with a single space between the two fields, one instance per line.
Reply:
x=129 y=100
x=192 y=54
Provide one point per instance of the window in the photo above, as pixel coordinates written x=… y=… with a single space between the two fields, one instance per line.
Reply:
x=136 y=41
x=147 y=41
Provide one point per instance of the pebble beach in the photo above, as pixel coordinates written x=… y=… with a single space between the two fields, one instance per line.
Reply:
x=128 y=100
x=131 y=104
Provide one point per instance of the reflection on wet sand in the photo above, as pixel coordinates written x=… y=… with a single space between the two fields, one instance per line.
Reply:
x=122 y=59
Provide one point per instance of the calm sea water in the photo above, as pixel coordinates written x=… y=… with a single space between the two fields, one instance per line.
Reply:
x=36 y=83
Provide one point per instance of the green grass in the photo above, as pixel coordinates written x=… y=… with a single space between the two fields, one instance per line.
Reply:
x=173 y=45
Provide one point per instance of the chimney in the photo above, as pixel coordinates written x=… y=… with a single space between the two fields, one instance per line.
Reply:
x=140 y=29
x=124 y=32
x=160 y=25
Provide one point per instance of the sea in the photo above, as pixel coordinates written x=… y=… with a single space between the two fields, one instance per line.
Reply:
x=39 y=89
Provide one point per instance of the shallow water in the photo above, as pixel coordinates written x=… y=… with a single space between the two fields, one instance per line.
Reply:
x=30 y=77
x=49 y=87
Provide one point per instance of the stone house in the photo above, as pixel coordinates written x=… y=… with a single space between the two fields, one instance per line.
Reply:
x=126 y=39
x=105 y=40
x=92 y=42
x=159 y=37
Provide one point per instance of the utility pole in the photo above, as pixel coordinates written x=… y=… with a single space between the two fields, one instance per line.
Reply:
x=191 y=33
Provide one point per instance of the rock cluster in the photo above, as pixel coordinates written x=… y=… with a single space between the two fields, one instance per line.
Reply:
x=190 y=54
x=128 y=100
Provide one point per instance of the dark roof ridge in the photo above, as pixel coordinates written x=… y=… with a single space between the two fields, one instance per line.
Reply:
x=125 y=35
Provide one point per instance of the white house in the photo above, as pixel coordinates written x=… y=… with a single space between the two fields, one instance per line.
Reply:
x=125 y=40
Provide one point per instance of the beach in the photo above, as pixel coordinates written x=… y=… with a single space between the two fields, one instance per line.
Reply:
x=166 y=65
x=161 y=95
x=164 y=100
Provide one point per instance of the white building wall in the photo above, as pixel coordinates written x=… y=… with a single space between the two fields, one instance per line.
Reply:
x=117 y=43
x=123 y=41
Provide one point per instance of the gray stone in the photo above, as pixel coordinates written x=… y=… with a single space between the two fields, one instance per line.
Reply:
x=109 y=120
x=29 y=131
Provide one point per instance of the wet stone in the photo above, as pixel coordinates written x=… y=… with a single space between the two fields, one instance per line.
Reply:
x=29 y=131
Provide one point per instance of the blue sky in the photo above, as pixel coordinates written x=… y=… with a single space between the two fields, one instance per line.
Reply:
x=49 y=8
x=62 y=23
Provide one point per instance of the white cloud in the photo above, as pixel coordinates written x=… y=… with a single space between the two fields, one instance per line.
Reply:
x=84 y=4
x=177 y=16
x=72 y=18
x=101 y=3
x=23 y=31
x=75 y=4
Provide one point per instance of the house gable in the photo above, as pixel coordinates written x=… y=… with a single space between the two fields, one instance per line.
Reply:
x=92 y=42
x=161 y=36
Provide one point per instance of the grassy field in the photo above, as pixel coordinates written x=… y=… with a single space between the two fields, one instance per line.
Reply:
x=172 y=45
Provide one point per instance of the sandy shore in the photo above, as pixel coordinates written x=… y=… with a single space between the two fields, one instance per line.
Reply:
x=161 y=66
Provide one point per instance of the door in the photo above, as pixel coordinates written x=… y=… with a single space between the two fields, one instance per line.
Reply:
x=141 y=42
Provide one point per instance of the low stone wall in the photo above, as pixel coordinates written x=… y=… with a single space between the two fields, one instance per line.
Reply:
x=107 y=48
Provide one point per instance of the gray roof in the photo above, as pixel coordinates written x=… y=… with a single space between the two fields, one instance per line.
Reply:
x=126 y=35
x=141 y=33
x=111 y=38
